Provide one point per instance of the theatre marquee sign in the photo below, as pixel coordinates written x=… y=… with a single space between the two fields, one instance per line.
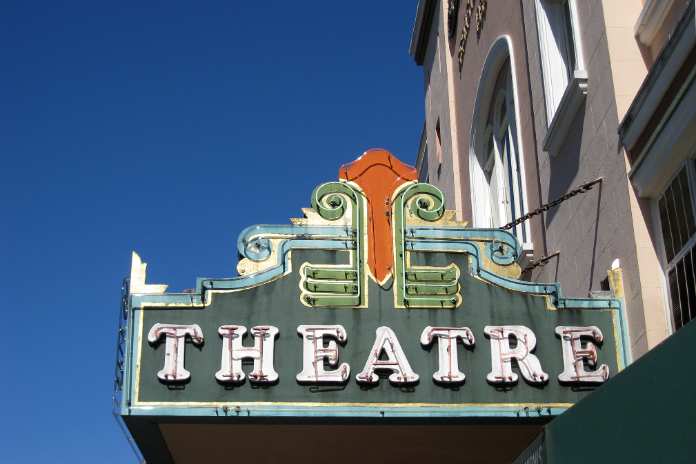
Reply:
x=376 y=303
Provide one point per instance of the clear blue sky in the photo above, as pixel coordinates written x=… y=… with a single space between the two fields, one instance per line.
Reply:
x=166 y=129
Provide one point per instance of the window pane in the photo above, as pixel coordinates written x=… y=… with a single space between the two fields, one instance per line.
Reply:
x=666 y=229
x=687 y=206
x=690 y=284
x=675 y=220
x=678 y=229
x=683 y=293
x=674 y=294
x=570 y=46
x=680 y=221
x=677 y=216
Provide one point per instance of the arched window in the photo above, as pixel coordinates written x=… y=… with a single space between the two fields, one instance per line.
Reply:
x=495 y=164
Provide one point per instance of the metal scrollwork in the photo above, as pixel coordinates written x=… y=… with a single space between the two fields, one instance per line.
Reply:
x=336 y=285
x=257 y=249
x=329 y=200
x=427 y=203
x=502 y=253
x=422 y=286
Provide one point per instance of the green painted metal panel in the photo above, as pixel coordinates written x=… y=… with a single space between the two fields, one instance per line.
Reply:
x=278 y=303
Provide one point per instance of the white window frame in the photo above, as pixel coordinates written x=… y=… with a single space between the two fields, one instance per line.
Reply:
x=565 y=90
x=496 y=163
x=499 y=50
x=690 y=165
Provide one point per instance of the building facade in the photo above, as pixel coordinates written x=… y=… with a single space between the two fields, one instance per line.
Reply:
x=376 y=328
x=570 y=110
x=468 y=308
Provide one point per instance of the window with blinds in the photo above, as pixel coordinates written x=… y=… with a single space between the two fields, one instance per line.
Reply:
x=676 y=208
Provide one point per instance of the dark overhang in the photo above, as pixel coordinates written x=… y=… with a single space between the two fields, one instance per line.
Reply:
x=421 y=30
x=645 y=414
x=659 y=88
x=659 y=128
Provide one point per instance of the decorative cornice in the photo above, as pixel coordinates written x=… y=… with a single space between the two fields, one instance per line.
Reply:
x=651 y=18
x=671 y=62
x=420 y=224
x=378 y=175
x=138 y=276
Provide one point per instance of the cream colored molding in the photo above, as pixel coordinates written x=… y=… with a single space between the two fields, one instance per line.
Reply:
x=247 y=266
x=312 y=218
x=137 y=278
x=456 y=171
x=651 y=18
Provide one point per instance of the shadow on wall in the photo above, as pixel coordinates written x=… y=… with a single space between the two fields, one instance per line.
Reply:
x=563 y=166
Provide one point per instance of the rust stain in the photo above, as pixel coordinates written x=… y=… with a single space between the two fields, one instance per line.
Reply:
x=378 y=173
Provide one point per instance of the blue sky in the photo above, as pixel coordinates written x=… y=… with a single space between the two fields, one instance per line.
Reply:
x=166 y=128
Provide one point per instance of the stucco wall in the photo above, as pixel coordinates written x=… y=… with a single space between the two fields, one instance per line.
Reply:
x=594 y=228
x=590 y=230
x=503 y=21
x=437 y=108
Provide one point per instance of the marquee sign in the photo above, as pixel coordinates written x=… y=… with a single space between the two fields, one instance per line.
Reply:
x=376 y=303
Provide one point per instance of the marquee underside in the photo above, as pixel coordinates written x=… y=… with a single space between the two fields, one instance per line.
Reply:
x=165 y=440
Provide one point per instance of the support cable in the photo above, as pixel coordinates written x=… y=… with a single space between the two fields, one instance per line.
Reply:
x=541 y=261
x=581 y=189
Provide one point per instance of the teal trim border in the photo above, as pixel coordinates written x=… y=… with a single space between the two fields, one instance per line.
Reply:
x=537 y=411
x=254 y=244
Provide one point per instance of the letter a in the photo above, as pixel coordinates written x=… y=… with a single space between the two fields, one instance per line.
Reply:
x=396 y=361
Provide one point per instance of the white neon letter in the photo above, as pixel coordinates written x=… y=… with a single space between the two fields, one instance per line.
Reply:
x=314 y=352
x=448 y=363
x=575 y=354
x=396 y=361
x=502 y=354
x=174 y=348
x=233 y=352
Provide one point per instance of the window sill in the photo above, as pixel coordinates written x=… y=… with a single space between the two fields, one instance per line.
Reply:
x=526 y=257
x=573 y=98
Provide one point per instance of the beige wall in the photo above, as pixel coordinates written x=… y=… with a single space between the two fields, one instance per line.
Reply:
x=629 y=69
x=627 y=65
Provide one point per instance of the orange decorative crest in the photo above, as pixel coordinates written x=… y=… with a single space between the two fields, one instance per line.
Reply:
x=379 y=174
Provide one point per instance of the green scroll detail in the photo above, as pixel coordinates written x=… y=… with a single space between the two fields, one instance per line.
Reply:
x=421 y=286
x=337 y=285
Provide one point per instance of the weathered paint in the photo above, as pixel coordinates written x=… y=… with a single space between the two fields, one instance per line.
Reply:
x=378 y=174
x=437 y=255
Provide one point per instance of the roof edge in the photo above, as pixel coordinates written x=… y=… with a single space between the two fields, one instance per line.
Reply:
x=629 y=127
x=421 y=30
